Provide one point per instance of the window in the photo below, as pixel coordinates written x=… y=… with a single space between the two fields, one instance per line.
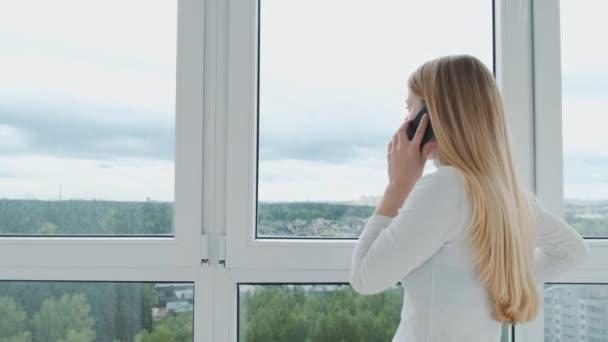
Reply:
x=569 y=158
x=78 y=311
x=87 y=118
x=584 y=97
x=101 y=153
x=331 y=96
x=320 y=161
x=304 y=161
x=584 y=80
x=90 y=120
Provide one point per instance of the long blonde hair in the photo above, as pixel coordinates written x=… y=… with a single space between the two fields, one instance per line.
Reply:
x=468 y=120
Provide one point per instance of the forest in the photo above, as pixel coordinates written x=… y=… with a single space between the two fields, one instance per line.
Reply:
x=80 y=217
x=112 y=312
x=323 y=313
x=285 y=219
x=301 y=313
x=82 y=312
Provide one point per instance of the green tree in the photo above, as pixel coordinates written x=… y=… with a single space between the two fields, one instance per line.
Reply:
x=65 y=320
x=348 y=316
x=505 y=333
x=49 y=228
x=13 y=322
x=177 y=328
x=78 y=336
x=279 y=313
x=109 y=222
x=274 y=315
x=120 y=310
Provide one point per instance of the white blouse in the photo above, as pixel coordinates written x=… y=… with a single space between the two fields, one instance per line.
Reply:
x=425 y=248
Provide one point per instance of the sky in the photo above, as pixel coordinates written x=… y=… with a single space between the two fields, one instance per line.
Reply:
x=87 y=101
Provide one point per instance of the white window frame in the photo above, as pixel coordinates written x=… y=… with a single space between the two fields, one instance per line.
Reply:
x=549 y=144
x=181 y=250
x=143 y=259
x=249 y=260
x=243 y=249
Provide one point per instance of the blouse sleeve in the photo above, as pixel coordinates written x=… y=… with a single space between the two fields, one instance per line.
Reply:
x=389 y=249
x=559 y=248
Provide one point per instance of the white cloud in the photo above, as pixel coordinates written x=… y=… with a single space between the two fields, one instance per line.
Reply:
x=295 y=180
x=583 y=27
x=584 y=126
x=12 y=138
x=314 y=181
x=326 y=74
x=595 y=191
x=134 y=145
x=39 y=177
x=104 y=52
x=52 y=82
x=134 y=30
x=338 y=75
x=350 y=67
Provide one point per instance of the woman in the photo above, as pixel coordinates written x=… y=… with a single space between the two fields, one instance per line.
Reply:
x=462 y=239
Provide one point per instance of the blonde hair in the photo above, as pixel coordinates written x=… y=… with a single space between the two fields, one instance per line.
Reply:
x=468 y=120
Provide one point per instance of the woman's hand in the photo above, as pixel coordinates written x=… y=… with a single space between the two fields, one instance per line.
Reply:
x=405 y=166
x=405 y=159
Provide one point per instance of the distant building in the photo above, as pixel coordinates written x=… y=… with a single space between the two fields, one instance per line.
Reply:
x=173 y=299
x=576 y=313
x=368 y=200
x=179 y=307
x=159 y=313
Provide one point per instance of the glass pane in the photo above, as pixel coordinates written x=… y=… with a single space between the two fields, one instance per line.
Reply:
x=83 y=312
x=318 y=312
x=576 y=313
x=332 y=90
x=87 y=117
x=584 y=104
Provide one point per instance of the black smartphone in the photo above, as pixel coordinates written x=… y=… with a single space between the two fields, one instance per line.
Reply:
x=411 y=130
